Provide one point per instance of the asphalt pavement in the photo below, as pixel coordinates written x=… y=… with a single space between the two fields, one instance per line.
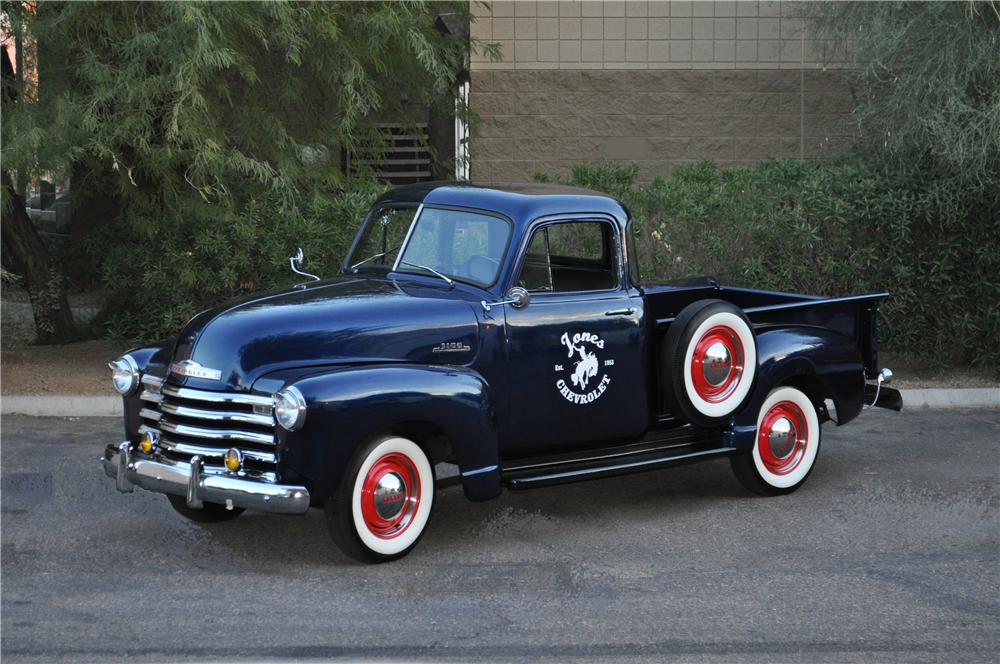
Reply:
x=889 y=553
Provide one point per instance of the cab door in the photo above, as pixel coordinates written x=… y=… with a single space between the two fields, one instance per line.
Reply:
x=575 y=353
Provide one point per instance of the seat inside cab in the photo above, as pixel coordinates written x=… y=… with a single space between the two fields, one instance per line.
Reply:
x=571 y=256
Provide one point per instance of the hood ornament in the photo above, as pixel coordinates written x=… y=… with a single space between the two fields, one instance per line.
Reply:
x=192 y=369
x=296 y=262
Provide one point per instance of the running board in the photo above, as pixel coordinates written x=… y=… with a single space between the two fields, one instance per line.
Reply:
x=593 y=464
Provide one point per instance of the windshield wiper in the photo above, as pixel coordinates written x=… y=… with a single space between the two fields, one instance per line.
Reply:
x=429 y=269
x=371 y=258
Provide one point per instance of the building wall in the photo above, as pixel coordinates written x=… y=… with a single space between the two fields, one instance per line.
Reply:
x=657 y=83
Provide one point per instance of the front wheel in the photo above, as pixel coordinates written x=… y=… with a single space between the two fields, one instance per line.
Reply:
x=381 y=507
x=210 y=513
x=785 y=449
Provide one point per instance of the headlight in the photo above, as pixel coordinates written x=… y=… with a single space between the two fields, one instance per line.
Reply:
x=124 y=374
x=289 y=408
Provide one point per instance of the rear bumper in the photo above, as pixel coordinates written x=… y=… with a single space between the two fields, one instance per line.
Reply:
x=883 y=397
x=198 y=484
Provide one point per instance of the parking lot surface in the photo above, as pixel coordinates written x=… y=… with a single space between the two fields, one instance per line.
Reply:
x=889 y=552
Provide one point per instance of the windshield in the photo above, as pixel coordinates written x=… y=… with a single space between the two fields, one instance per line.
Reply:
x=382 y=237
x=466 y=246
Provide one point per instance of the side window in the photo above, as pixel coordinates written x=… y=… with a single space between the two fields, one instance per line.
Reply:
x=574 y=241
x=536 y=272
x=571 y=256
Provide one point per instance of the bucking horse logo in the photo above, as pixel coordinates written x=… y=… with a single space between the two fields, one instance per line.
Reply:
x=586 y=367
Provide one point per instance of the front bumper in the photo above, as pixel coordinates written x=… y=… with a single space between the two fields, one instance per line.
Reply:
x=198 y=484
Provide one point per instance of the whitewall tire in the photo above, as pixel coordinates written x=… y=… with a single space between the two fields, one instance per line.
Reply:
x=710 y=362
x=384 y=501
x=786 y=444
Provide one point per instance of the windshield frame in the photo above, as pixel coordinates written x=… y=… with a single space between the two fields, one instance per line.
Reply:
x=501 y=261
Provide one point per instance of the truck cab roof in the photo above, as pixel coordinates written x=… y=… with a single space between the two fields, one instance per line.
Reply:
x=521 y=203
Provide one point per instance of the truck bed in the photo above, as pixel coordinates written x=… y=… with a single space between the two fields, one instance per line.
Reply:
x=853 y=316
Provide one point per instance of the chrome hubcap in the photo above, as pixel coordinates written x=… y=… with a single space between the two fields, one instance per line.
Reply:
x=717 y=364
x=390 y=495
x=781 y=438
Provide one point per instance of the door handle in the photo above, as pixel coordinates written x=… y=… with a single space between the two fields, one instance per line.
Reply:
x=620 y=312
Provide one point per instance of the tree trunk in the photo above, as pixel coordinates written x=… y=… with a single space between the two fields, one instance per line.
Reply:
x=30 y=258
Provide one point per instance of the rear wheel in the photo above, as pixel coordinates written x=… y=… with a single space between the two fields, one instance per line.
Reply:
x=210 y=513
x=787 y=444
x=381 y=508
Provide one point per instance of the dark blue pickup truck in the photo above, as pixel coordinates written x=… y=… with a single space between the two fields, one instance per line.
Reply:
x=502 y=330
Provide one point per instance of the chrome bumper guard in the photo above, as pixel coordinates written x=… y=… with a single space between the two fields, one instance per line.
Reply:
x=199 y=485
x=880 y=396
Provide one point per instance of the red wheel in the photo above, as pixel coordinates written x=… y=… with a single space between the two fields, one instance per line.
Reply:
x=783 y=438
x=717 y=364
x=384 y=500
x=390 y=495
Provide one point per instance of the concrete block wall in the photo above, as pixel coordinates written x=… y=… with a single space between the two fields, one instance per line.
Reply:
x=656 y=83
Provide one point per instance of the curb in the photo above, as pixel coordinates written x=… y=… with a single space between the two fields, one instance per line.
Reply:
x=81 y=406
x=61 y=406
x=970 y=397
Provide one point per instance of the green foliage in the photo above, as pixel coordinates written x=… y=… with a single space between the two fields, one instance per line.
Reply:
x=212 y=131
x=185 y=99
x=170 y=272
x=925 y=77
x=830 y=230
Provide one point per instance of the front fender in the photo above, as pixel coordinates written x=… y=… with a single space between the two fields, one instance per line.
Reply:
x=145 y=357
x=347 y=406
x=822 y=363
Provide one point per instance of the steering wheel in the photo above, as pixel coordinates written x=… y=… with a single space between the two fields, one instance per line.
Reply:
x=481 y=268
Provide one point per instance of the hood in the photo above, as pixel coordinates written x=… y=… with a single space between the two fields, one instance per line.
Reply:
x=338 y=321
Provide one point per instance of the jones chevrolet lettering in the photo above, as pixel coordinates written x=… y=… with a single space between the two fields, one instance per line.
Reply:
x=559 y=365
x=589 y=397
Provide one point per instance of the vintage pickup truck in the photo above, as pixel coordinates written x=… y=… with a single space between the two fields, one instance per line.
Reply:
x=505 y=331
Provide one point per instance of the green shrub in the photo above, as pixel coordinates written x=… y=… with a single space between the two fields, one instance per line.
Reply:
x=831 y=229
x=161 y=272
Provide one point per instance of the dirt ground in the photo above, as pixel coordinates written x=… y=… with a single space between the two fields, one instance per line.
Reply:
x=911 y=374
x=73 y=369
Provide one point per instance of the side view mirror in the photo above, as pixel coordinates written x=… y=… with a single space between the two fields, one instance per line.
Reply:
x=517 y=297
x=296 y=262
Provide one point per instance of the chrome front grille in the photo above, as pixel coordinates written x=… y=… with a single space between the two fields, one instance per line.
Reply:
x=190 y=422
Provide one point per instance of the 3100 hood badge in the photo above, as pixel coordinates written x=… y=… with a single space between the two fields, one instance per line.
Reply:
x=192 y=369
x=451 y=347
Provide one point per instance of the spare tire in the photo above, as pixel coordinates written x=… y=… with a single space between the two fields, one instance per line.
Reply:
x=708 y=362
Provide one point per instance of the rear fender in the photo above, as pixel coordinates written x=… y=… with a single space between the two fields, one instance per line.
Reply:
x=821 y=363
x=346 y=407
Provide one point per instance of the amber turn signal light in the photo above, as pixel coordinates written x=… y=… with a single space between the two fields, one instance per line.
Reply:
x=148 y=443
x=234 y=459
